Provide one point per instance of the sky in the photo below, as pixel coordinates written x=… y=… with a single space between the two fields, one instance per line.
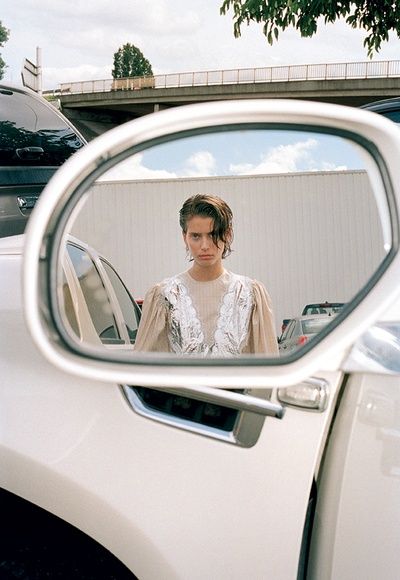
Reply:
x=235 y=153
x=78 y=39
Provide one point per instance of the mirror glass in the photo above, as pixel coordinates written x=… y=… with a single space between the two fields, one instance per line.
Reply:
x=310 y=227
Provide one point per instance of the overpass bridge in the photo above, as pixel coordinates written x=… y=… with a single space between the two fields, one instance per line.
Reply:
x=96 y=106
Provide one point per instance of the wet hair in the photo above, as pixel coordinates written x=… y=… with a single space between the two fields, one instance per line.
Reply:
x=213 y=207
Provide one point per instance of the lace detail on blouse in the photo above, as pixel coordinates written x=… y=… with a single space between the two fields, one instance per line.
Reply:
x=185 y=332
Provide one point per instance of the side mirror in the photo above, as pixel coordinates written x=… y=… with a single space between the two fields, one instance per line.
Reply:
x=326 y=176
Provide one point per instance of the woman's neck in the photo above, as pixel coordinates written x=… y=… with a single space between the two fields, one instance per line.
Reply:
x=206 y=274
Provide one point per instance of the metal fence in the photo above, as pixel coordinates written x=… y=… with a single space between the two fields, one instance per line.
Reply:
x=301 y=72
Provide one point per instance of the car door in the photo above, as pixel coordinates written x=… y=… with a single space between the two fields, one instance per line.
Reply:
x=127 y=311
x=287 y=342
x=264 y=482
x=99 y=312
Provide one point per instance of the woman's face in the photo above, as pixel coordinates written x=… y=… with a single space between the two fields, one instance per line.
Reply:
x=199 y=240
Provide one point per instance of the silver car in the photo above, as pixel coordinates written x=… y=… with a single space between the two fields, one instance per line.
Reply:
x=302 y=329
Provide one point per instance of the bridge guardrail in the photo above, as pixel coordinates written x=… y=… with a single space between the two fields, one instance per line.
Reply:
x=302 y=72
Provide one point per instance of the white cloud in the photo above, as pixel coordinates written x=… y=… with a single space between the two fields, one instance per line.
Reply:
x=286 y=159
x=200 y=164
x=280 y=159
x=133 y=168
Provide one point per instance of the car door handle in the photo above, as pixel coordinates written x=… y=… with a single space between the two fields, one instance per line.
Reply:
x=230 y=399
x=29 y=153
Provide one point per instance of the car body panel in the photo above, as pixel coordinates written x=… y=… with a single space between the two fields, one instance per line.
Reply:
x=358 y=513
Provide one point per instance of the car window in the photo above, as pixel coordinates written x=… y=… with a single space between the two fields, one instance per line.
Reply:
x=323 y=308
x=69 y=307
x=32 y=132
x=128 y=307
x=288 y=330
x=312 y=326
x=95 y=294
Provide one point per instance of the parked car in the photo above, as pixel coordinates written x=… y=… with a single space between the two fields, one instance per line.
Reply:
x=97 y=303
x=389 y=108
x=285 y=322
x=35 y=139
x=99 y=310
x=99 y=476
x=302 y=329
x=322 y=308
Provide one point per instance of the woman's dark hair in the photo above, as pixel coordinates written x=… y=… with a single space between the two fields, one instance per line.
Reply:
x=213 y=207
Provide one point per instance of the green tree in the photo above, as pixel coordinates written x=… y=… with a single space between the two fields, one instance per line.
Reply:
x=376 y=17
x=4 y=34
x=130 y=62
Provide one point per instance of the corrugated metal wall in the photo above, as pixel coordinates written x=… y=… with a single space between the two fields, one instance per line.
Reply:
x=309 y=237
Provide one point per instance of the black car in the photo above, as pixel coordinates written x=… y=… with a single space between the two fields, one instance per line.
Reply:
x=35 y=139
x=389 y=108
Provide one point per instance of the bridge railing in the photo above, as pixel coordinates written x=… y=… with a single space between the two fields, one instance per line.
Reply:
x=300 y=72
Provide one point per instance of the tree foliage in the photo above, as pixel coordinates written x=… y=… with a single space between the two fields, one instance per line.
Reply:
x=4 y=34
x=129 y=61
x=376 y=17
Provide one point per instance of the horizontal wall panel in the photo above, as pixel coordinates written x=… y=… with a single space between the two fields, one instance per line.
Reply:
x=309 y=237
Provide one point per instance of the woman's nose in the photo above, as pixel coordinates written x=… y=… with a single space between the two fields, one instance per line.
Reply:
x=204 y=242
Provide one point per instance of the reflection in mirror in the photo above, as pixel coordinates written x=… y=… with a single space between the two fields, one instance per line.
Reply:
x=309 y=230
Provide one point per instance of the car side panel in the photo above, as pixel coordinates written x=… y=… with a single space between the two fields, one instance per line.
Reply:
x=356 y=532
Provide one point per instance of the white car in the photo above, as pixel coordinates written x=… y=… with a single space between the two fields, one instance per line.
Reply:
x=153 y=466
x=302 y=329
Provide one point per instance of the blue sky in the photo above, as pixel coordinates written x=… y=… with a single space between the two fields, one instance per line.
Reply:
x=243 y=153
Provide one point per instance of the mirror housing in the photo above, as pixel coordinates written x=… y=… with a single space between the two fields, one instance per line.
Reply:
x=66 y=189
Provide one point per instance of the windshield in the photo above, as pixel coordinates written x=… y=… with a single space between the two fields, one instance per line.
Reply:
x=32 y=133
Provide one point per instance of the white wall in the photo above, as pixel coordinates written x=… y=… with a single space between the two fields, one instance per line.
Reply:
x=307 y=236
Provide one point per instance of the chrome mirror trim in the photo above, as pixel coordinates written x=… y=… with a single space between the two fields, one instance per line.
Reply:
x=376 y=351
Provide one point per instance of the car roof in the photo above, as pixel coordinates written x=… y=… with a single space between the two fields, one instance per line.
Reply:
x=17 y=89
x=15 y=244
x=383 y=105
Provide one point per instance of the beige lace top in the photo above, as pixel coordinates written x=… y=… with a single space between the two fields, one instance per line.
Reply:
x=224 y=317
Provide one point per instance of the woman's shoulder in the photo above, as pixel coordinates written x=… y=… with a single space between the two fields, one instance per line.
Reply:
x=245 y=280
x=172 y=281
x=255 y=287
x=165 y=282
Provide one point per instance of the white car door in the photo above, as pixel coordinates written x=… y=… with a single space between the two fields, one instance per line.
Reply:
x=103 y=309
x=247 y=507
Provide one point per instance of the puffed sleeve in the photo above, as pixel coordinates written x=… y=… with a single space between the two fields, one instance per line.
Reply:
x=152 y=333
x=262 y=332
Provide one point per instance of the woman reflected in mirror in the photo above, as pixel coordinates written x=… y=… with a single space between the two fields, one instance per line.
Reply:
x=207 y=310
